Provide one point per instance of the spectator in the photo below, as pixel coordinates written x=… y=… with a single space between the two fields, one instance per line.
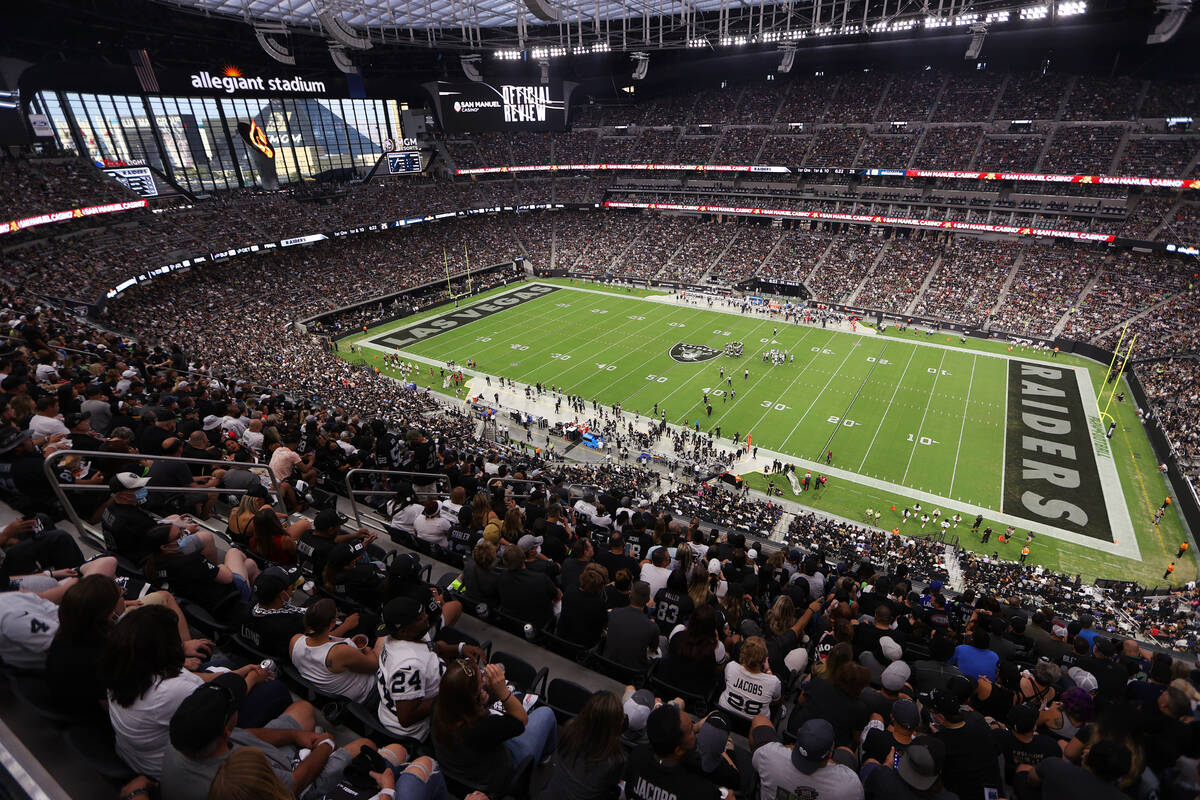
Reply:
x=480 y=577
x=750 y=688
x=431 y=526
x=409 y=673
x=525 y=594
x=590 y=760
x=479 y=748
x=204 y=732
x=807 y=768
x=632 y=636
x=584 y=612
x=191 y=574
x=657 y=770
x=1104 y=765
x=694 y=654
x=975 y=659
x=274 y=620
x=971 y=754
x=656 y=570
x=272 y=541
x=336 y=666
x=348 y=574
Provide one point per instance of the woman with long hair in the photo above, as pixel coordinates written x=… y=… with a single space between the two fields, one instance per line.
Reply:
x=335 y=665
x=479 y=748
x=272 y=541
x=513 y=527
x=782 y=631
x=247 y=775
x=834 y=696
x=241 y=519
x=86 y=616
x=590 y=758
x=142 y=666
x=694 y=653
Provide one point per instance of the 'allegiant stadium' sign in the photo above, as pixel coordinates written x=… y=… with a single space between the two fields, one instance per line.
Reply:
x=240 y=83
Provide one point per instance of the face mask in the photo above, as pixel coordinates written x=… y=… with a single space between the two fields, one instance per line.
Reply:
x=140 y=495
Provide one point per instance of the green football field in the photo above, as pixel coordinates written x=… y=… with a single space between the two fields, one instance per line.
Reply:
x=908 y=417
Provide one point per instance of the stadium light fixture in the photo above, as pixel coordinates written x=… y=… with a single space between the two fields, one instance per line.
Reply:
x=273 y=47
x=978 y=34
x=789 y=58
x=1174 y=13
x=341 y=32
x=470 y=67
x=1072 y=8
x=641 y=65
x=1035 y=12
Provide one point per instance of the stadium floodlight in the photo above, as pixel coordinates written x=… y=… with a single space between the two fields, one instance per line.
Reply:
x=642 y=65
x=789 y=58
x=340 y=60
x=1175 y=13
x=340 y=31
x=470 y=67
x=978 y=34
x=273 y=47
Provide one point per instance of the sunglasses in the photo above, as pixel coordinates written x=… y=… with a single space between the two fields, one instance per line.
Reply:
x=468 y=666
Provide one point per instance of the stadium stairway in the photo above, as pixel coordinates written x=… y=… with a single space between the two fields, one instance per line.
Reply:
x=957 y=583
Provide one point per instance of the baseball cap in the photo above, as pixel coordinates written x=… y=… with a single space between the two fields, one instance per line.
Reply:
x=637 y=709
x=126 y=481
x=918 y=768
x=891 y=650
x=1059 y=630
x=203 y=714
x=258 y=490
x=129 y=373
x=794 y=555
x=71 y=420
x=814 y=743
x=935 y=586
x=796 y=660
x=405 y=565
x=906 y=714
x=711 y=740
x=895 y=675
x=343 y=554
x=1105 y=645
x=400 y=612
x=273 y=580
x=714 y=567
x=10 y=437
x=529 y=542
x=328 y=518
x=164 y=414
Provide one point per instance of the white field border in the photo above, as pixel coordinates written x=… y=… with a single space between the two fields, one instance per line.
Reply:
x=1126 y=545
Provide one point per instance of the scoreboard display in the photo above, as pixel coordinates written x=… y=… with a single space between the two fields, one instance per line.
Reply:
x=405 y=163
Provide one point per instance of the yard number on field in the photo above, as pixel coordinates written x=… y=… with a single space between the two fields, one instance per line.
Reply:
x=922 y=439
x=849 y=423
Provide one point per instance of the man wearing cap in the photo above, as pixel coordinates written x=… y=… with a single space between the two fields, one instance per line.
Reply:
x=806 y=769
x=893 y=682
x=971 y=753
x=204 y=732
x=81 y=435
x=312 y=551
x=273 y=620
x=410 y=670
x=123 y=522
x=907 y=775
x=528 y=595
x=535 y=559
x=404 y=579
x=902 y=721
x=656 y=771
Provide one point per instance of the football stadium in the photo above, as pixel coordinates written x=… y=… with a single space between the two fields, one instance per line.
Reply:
x=599 y=401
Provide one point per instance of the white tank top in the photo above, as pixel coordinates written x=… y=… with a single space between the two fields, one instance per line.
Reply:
x=310 y=663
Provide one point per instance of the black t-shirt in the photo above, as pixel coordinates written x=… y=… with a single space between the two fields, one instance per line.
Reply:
x=583 y=616
x=614 y=598
x=126 y=526
x=271 y=630
x=1017 y=753
x=998 y=703
x=630 y=634
x=646 y=778
x=477 y=756
x=463 y=541
x=885 y=784
x=615 y=562
x=312 y=551
x=879 y=742
x=151 y=439
x=71 y=670
x=822 y=700
x=528 y=596
x=554 y=539
x=970 y=757
x=194 y=577
x=169 y=473
x=671 y=609
x=361 y=583
x=777 y=649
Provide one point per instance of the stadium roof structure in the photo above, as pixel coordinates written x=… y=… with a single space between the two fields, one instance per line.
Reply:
x=519 y=29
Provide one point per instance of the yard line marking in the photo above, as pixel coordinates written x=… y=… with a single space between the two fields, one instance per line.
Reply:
x=966 y=405
x=799 y=375
x=846 y=413
x=849 y=352
x=920 y=427
x=882 y=419
x=1004 y=443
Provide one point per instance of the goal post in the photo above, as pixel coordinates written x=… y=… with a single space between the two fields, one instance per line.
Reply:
x=1112 y=377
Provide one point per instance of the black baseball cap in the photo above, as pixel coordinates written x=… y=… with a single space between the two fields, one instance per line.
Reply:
x=203 y=714
x=273 y=580
x=343 y=554
x=400 y=612
x=329 y=518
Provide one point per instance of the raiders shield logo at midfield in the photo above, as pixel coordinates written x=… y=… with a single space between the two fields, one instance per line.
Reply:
x=693 y=353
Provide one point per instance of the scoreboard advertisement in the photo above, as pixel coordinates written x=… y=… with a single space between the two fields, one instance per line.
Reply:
x=477 y=106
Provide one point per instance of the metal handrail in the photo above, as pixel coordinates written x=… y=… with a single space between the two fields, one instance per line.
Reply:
x=353 y=493
x=61 y=490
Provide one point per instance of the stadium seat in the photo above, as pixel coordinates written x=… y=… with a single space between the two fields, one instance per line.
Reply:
x=563 y=646
x=695 y=703
x=628 y=676
x=566 y=698
x=95 y=743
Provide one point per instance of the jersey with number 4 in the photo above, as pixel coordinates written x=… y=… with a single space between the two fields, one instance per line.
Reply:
x=407 y=671
x=748 y=693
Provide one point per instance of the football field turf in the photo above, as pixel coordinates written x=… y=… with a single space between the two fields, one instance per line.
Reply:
x=907 y=418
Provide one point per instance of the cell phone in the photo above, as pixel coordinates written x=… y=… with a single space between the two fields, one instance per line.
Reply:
x=990 y=793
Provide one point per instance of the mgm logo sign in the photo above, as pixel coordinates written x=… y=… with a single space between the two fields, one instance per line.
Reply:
x=692 y=353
